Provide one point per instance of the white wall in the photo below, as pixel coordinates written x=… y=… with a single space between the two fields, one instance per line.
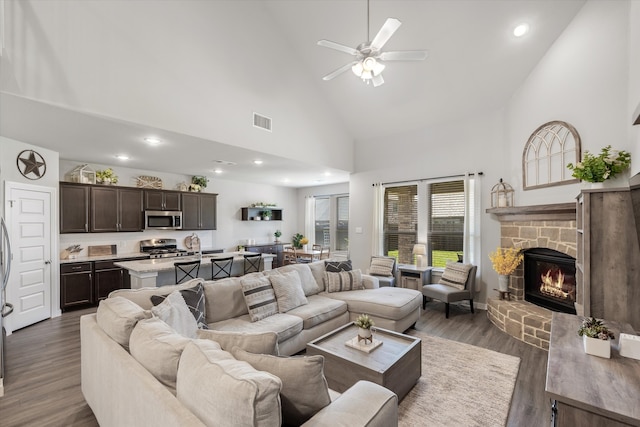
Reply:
x=231 y=231
x=634 y=83
x=120 y=59
x=581 y=80
x=468 y=145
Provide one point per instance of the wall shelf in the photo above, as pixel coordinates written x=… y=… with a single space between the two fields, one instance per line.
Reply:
x=248 y=214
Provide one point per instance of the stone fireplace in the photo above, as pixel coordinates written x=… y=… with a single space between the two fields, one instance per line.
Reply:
x=550 y=279
x=537 y=230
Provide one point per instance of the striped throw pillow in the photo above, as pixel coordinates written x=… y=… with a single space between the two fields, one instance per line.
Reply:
x=343 y=281
x=455 y=274
x=259 y=297
x=381 y=266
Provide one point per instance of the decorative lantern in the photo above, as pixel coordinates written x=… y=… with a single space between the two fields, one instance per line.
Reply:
x=83 y=174
x=501 y=195
x=420 y=250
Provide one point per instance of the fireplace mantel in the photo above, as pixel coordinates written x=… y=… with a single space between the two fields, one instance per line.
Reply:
x=552 y=212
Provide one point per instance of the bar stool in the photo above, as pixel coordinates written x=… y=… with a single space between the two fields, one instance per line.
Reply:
x=221 y=268
x=186 y=270
x=252 y=263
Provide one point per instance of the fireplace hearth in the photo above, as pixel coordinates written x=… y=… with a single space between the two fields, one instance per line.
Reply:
x=550 y=279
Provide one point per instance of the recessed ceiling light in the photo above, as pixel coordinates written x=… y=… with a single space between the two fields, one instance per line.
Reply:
x=224 y=162
x=217 y=170
x=152 y=141
x=521 y=30
x=122 y=157
x=285 y=180
x=257 y=162
x=327 y=174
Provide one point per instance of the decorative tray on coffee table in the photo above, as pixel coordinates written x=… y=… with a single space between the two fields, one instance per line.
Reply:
x=362 y=345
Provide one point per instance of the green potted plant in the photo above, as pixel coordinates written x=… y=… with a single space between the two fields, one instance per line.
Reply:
x=364 y=324
x=198 y=183
x=599 y=168
x=266 y=214
x=277 y=235
x=296 y=240
x=595 y=337
x=106 y=176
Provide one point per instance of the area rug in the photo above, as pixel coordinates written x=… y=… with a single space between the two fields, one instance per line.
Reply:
x=461 y=385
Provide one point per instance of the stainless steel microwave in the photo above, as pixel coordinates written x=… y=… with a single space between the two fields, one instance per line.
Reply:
x=162 y=220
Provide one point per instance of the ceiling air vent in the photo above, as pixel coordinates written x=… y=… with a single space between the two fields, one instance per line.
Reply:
x=261 y=122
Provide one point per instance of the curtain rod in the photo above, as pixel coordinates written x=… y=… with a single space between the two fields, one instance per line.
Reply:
x=429 y=179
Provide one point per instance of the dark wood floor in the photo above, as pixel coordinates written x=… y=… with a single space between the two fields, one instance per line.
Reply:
x=42 y=384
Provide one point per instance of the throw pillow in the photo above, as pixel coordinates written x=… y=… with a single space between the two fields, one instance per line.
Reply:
x=304 y=386
x=157 y=347
x=223 y=391
x=338 y=266
x=117 y=316
x=288 y=289
x=194 y=297
x=381 y=266
x=259 y=297
x=260 y=343
x=343 y=281
x=175 y=313
x=455 y=274
x=309 y=285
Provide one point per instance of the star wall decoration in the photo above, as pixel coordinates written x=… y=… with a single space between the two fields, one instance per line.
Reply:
x=31 y=164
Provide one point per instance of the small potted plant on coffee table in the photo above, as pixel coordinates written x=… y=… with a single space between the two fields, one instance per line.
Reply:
x=364 y=324
x=595 y=337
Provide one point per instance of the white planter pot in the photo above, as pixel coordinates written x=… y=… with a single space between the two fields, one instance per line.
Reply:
x=503 y=282
x=364 y=333
x=597 y=347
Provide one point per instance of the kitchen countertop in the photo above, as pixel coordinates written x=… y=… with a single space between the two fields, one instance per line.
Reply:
x=86 y=258
x=161 y=264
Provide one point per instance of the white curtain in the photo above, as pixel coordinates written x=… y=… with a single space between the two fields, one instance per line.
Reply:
x=377 y=233
x=310 y=219
x=472 y=212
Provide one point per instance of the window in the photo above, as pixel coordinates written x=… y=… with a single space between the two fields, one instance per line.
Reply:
x=445 y=238
x=442 y=224
x=400 y=222
x=332 y=222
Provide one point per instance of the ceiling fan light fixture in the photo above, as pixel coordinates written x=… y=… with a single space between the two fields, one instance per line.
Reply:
x=357 y=69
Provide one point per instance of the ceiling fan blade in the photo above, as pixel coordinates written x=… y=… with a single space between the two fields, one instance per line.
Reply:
x=406 y=55
x=339 y=71
x=337 y=46
x=390 y=26
x=377 y=80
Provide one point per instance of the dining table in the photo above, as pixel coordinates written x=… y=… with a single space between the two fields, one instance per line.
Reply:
x=306 y=255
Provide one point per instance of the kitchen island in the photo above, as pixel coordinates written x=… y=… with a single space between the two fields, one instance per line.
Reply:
x=160 y=271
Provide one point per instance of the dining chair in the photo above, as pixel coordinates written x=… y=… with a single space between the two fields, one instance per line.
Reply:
x=221 y=267
x=252 y=263
x=289 y=255
x=186 y=270
x=325 y=252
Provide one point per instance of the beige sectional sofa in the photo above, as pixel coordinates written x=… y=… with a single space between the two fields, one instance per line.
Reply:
x=121 y=391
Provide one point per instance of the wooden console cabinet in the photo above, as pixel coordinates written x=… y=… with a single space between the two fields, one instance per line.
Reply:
x=587 y=390
x=269 y=248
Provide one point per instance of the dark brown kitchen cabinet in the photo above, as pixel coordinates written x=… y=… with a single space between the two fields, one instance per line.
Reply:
x=109 y=277
x=116 y=209
x=199 y=211
x=76 y=285
x=74 y=208
x=269 y=248
x=159 y=200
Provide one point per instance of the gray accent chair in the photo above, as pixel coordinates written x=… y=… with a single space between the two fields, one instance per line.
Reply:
x=448 y=294
x=387 y=280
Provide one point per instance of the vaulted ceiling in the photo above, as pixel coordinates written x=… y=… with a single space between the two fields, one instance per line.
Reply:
x=90 y=79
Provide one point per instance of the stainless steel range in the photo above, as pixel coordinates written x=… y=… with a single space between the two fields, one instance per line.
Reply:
x=162 y=248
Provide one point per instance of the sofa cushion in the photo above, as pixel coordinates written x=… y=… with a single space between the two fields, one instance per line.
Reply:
x=455 y=274
x=317 y=270
x=304 y=386
x=288 y=290
x=175 y=312
x=343 y=281
x=319 y=310
x=194 y=297
x=223 y=391
x=388 y=303
x=158 y=347
x=224 y=299
x=285 y=325
x=118 y=316
x=259 y=343
x=309 y=284
x=259 y=296
x=142 y=296
x=338 y=266
x=381 y=266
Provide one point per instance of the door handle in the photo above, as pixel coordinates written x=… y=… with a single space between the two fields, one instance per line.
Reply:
x=48 y=262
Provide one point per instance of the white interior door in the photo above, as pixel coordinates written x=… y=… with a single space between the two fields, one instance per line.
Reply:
x=28 y=211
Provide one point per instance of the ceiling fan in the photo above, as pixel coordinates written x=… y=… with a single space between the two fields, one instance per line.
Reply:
x=368 y=63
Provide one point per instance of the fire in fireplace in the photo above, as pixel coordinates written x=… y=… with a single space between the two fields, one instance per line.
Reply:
x=550 y=279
